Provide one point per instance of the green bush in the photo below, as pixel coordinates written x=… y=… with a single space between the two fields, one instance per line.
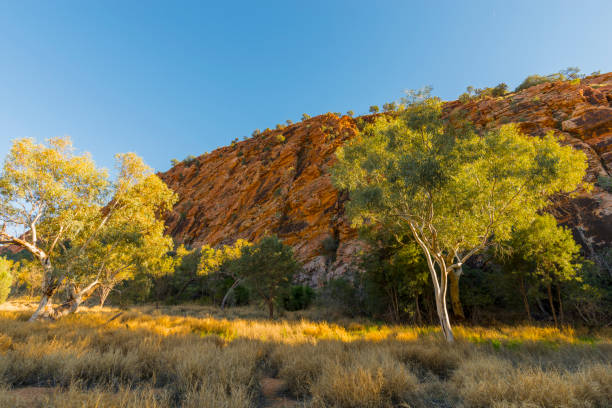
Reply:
x=6 y=278
x=500 y=90
x=374 y=109
x=533 y=80
x=340 y=294
x=298 y=298
x=605 y=182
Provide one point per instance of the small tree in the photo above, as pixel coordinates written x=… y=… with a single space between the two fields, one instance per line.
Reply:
x=305 y=116
x=500 y=90
x=216 y=262
x=268 y=266
x=451 y=188
x=543 y=253
x=395 y=274
x=6 y=278
x=374 y=109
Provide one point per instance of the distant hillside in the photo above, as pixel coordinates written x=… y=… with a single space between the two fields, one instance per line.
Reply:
x=278 y=182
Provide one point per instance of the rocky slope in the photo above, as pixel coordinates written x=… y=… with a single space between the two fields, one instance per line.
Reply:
x=278 y=182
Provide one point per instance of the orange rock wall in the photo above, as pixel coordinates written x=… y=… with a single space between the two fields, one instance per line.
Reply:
x=278 y=182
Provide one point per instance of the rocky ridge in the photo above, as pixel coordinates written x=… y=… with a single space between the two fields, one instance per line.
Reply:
x=278 y=182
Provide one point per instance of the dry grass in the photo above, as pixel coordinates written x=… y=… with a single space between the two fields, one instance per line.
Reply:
x=194 y=356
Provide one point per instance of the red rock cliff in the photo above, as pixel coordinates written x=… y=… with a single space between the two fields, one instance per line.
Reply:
x=278 y=182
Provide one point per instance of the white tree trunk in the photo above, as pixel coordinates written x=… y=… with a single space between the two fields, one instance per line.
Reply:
x=442 y=309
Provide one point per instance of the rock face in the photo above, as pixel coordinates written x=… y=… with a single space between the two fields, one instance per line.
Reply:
x=278 y=182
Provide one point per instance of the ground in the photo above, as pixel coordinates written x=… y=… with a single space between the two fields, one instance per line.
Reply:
x=199 y=356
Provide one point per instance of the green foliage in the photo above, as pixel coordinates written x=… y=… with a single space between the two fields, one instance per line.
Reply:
x=6 y=278
x=395 y=276
x=189 y=160
x=467 y=186
x=545 y=249
x=591 y=295
x=82 y=227
x=605 y=182
x=305 y=116
x=174 y=162
x=280 y=138
x=28 y=275
x=329 y=246
x=268 y=267
x=390 y=107
x=570 y=73
x=500 y=90
x=374 y=109
x=298 y=297
x=477 y=93
x=449 y=187
x=541 y=254
x=341 y=294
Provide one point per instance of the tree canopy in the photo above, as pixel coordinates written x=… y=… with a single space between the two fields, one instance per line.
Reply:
x=452 y=188
x=84 y=228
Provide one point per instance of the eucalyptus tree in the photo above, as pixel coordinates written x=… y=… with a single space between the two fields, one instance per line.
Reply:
x=71 y=217
x=268 y=266
x=452 y=189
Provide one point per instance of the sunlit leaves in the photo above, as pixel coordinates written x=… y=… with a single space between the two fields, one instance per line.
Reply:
x=459 y=187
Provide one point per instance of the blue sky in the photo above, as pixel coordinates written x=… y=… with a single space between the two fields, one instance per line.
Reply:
x=174 y=78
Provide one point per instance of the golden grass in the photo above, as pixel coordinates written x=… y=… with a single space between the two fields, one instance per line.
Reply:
x=195 y=356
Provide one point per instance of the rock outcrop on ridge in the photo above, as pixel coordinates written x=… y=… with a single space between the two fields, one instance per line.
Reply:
x=278 y=182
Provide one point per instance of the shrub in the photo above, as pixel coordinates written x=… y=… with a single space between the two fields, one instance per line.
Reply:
x=500 y=90
x=267 y=267
x=374 y=109
x=256 y=133
x=605 y=182
x=280 y=138
x=189 y=160
x=305 y=116
x=340 y=294
x=174 y=162
x=329 y=246
x=390 y=107
x=533 y=80
x=350 y=113
x=6 y=278
x=298 y=298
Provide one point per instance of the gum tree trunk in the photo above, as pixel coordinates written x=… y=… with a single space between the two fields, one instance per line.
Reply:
x=552 y=305
x=525 y=300
x=454 y=294
x=271 y=309
x=104 y=292
x=75 y=299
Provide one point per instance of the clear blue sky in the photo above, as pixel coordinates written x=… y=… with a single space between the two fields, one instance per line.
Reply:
x=169 y=79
